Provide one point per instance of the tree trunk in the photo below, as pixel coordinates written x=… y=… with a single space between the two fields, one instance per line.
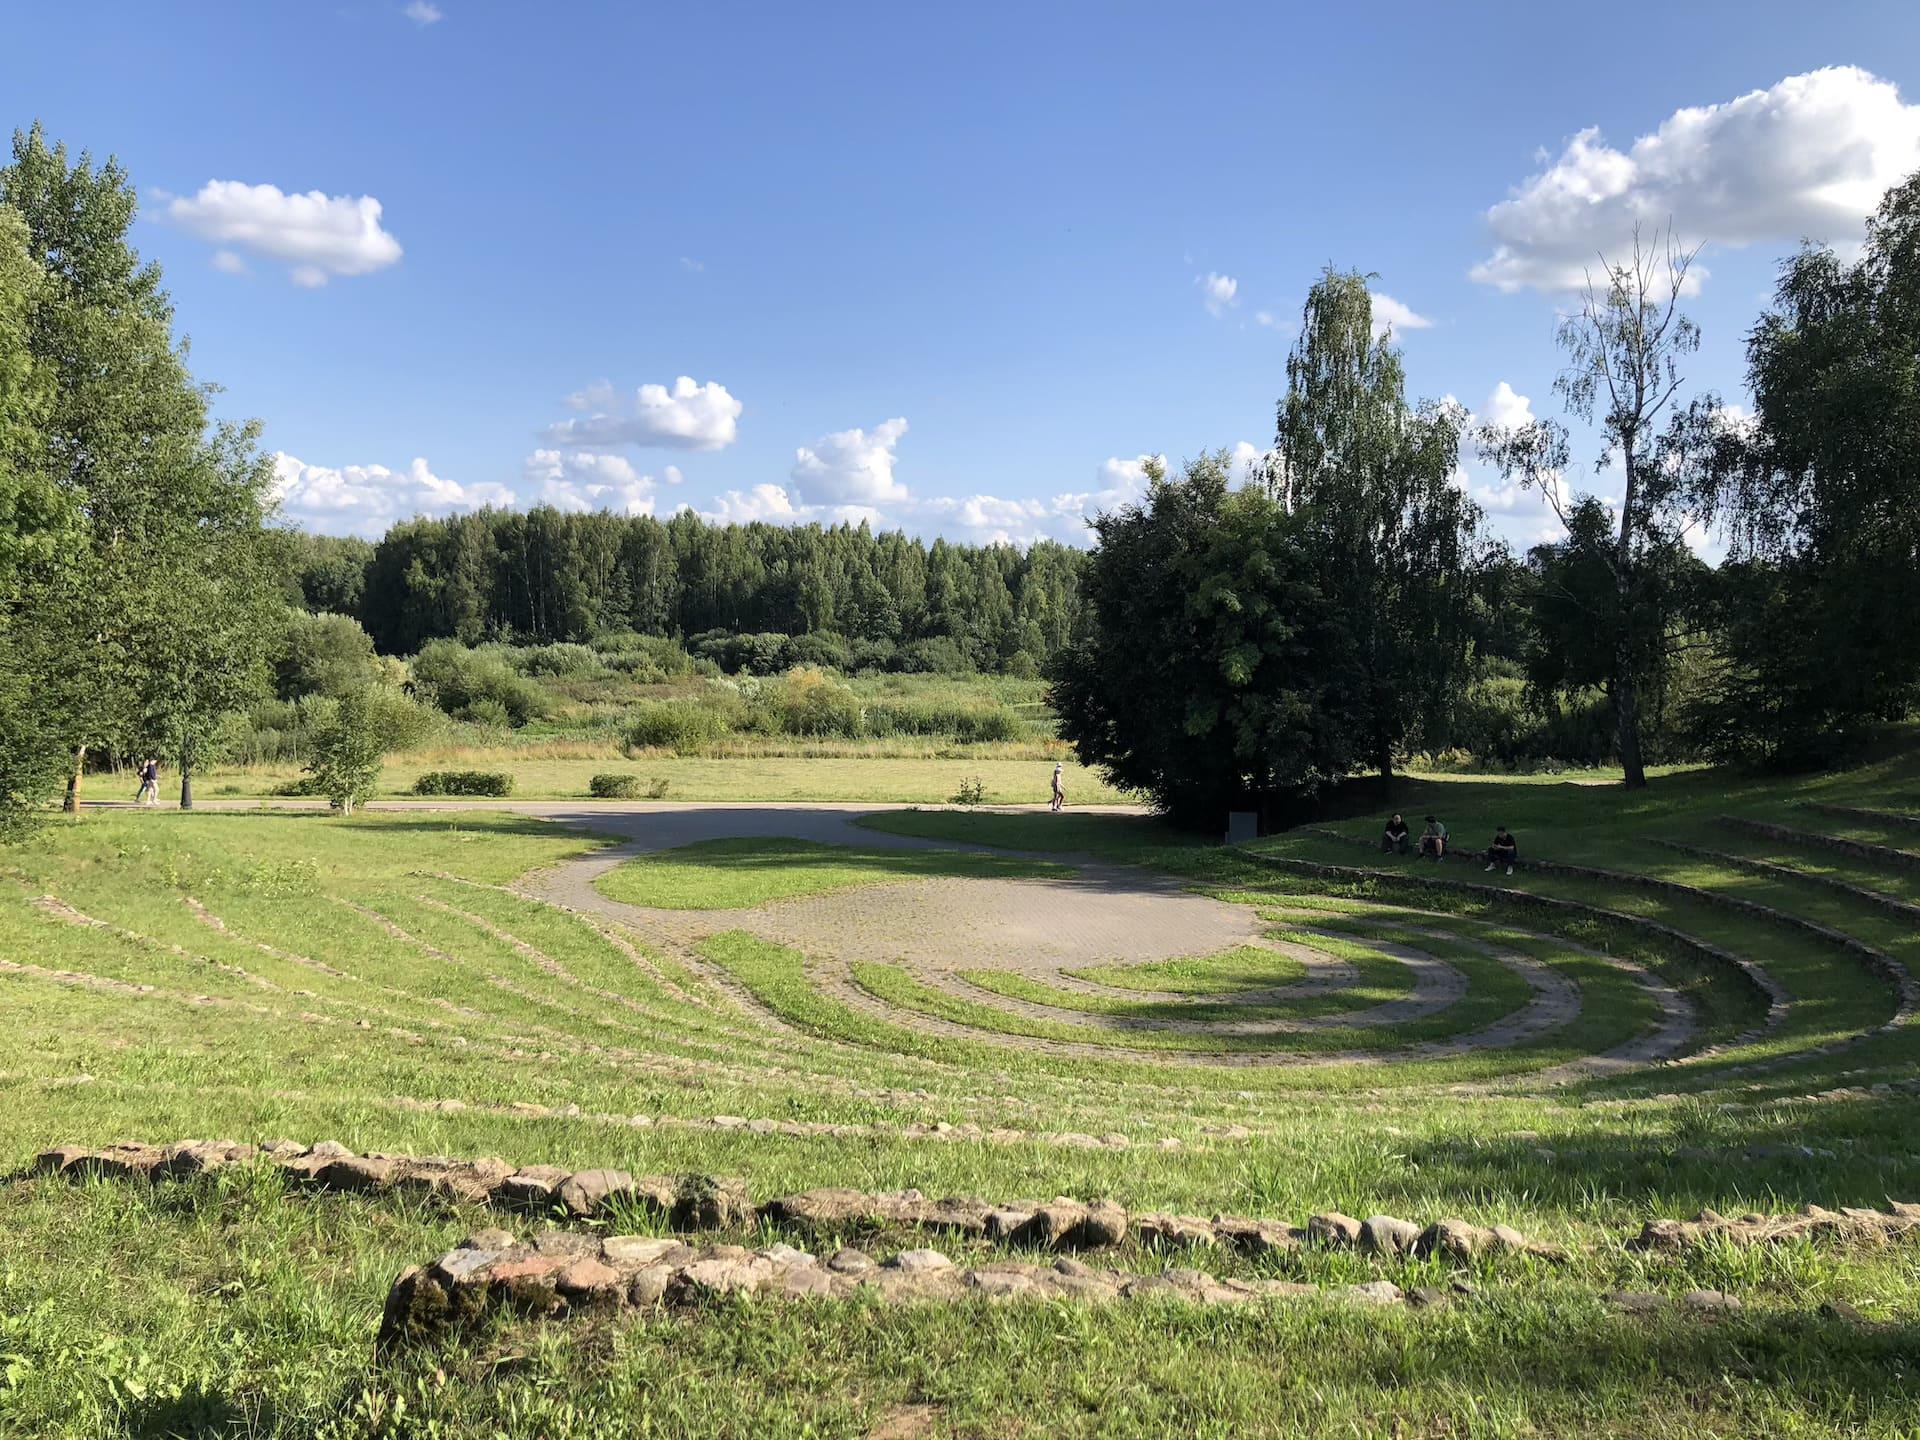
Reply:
x=186 y=782
x=1626 y=711
x=72 y=802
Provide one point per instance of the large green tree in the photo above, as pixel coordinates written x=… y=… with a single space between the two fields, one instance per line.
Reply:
x=1370 y=477
x=141 y=625
x=1820 y=496
x=1209 y=671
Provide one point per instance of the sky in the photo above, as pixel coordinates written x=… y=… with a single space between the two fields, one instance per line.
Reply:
x=956 y=270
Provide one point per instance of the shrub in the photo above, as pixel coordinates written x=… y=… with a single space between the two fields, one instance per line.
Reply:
x=486 y=711
x=464 y=782
x=459 y=679
x=558 y=659
x=971 y=792
x=964 y=718
x=873 y=655
x=823 y=648
x=649 y=659
x=807 y=701
x=611 y=785
x=685 y=727
x=940 y=655
x=322 y=655
x=347 y=751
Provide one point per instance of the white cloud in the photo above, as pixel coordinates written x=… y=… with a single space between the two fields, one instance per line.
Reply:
x=687 y=417
x=318 y=234
x=691 y=265
x=366 y=499
x=1506 y=408
x=1391 y=313
x=994 y=519
x=1217 y=292
x=228 y=263
x=1807 y=158
x=579 y=480
x=1268 y=320
x=851 y=467
x=423 y=13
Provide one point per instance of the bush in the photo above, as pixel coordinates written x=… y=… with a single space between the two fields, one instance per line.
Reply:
x=558 y=659
x=938 y=656
x=757 y=654
x=648 y=659
x=873 y=655
x=823 y=649
x=460 y=679
x=806 y=701
x=322 y=655
x=964 y=718
x=685 y=727
x=347 y=750
x=464 y=782
x=613 y=786
x=971 y=792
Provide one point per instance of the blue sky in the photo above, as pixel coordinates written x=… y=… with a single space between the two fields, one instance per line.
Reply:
x=958 y=268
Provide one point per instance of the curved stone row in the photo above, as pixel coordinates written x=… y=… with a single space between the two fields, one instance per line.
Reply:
x=696 y=1202
x=1892 y=904
x=1848 y=1225
x=1897 y=819
x=563 y=1273
x=1765 y=986
x=1840 y=845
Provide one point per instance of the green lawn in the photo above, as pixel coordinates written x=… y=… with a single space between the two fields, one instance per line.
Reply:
x=258 y=975
x=730 y=874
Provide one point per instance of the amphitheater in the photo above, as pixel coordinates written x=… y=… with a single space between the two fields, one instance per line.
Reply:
x=627 y=1057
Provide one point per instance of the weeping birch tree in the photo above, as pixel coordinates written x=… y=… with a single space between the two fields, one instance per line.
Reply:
x=1371 y=477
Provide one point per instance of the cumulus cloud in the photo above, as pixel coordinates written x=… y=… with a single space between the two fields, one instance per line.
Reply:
x=228 y=263
x=1389 y=313
x=1807 y=158
x=686 y=417
x=366 y=499
x=319 y=235
x=580 y=480
x=1217 y=292
x=994 y=519
x=1506 y=408
x=423 y=13
x=776 y=505
x=851 y=467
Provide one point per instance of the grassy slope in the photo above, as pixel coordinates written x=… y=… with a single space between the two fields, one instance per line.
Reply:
x=231 y=1307
x=727 y=874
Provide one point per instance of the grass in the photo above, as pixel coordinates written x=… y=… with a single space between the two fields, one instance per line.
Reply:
x=731 y=874
x=396 y=974
x=927 y=779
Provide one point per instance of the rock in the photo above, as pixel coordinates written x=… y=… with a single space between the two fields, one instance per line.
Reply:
x=1257 y=1237
x=568 y=1244
x=1387 y=1235
x=637 y=1250
x=917 y=1261
x=1002 y=1282
x=1709 y=1302
x=1333 y=1231
x=59 y=1159
x=1053 y=1223
x=705 y=1203
x=527 y=1282
x=1174 y=1231
x=805 y=1282
x=491 y=1238
x=788 y=1255
x=1429 y=1297
x=588 y=1279
x=1453 y=1240
x=1103 y=1226
x=1005 y=1222
x=1842 y=1311
x=830 y=1209
x=720 y=1275
x=850 y=1262
x=532 y=1186
x=362 y=1174
x=586 y=1192
x=648 y=1285
x=1375 y=1292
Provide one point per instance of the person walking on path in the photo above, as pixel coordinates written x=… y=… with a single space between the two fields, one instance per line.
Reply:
x=1059 y=787
x=149 y=783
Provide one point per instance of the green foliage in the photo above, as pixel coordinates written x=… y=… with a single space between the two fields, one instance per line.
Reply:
x=806 y=701
x=1392 y=537
x=558 y=659
x=480 y=685
x=347 y=749
x=497 y=783
x=613 y=785
x=1821 y=495
x=962 y=716
x=685 y=727
x=1212 y=673
x=971 y=792
x=322 y=654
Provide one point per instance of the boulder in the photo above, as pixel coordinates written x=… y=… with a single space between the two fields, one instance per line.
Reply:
x=587 y=1192
x=1333 y=1231
x=916 y=1261
x=1453 y=1240
x=1388 y=1235
x=531 y=1186
x=357 y=1174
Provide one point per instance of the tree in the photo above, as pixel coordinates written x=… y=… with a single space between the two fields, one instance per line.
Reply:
x=167 y=514
x=1624 y=347
x=1820 y=499
x=1371 y=478
x=347 y=750
x=1209 y=670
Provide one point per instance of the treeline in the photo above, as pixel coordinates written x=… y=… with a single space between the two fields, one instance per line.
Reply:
x=885 y=601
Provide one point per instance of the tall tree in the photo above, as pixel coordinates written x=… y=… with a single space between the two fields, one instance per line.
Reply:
x=1624 y=348
x=1371 y=478
x=1820 y=498
x=126 y=447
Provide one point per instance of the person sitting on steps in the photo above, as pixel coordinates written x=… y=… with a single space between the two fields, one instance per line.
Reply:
x=1504 y=850
x=1433 y=840
x=1395 y=839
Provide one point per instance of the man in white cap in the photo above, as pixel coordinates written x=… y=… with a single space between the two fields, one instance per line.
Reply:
x=1059 y=787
